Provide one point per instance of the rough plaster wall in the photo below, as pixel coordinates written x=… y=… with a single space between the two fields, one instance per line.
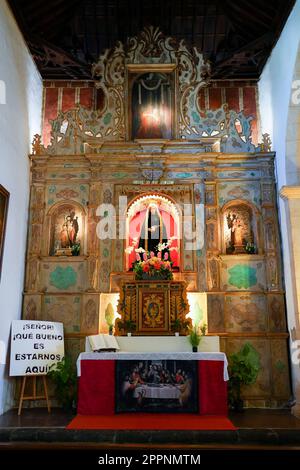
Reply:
x=20 y=117
x=280 y=117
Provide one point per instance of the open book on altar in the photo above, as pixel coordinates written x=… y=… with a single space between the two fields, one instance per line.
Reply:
x=103 y=342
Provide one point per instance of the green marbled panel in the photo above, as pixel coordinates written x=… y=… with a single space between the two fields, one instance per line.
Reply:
x=242 y=274
x=63 y=276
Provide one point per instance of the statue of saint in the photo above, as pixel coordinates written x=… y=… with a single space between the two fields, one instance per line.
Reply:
x=153 y=230
x=69 y=231
x=237 y=233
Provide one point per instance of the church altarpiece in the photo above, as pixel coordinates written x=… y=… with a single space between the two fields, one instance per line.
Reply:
x=92 y=161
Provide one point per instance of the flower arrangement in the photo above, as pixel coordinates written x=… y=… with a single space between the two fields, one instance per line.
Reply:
x=150 y=265
x=153 y=267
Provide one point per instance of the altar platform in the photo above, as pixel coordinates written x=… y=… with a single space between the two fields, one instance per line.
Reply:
x=255 y=429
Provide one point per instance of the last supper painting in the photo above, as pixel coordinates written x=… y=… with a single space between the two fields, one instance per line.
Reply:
x=150 y=155
x=163 y=386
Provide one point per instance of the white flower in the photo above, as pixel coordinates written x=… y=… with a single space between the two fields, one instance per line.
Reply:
x=162 y=246
x=140 y=250
x=129 y=250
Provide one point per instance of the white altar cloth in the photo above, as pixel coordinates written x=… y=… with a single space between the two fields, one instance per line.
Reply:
x=153 y=356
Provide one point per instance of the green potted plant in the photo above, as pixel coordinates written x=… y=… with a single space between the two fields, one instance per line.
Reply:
x=243 y=368
x=250 y=248
x=203 y=329
x=128 y=326
x=75 y=250
x=63 y=375
x=194 y=337
x=179 y=326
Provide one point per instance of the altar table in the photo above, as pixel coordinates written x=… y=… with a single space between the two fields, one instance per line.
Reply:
x=96 y=371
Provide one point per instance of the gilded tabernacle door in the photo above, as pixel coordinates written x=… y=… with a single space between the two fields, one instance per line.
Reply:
x=153 y=308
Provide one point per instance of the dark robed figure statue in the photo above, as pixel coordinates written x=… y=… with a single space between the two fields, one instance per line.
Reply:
x=153 y=230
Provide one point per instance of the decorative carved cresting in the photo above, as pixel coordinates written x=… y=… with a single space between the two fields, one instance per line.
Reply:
x=151 y=47
x=37 y=147
x=113 y=72
x=266 y=145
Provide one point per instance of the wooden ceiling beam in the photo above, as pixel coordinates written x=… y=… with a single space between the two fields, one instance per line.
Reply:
x=222 y=30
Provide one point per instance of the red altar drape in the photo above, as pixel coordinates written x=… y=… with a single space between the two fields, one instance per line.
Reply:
x=96 y=394
x=212 y=388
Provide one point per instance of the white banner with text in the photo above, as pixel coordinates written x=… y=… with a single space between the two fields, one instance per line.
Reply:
x=35 y=346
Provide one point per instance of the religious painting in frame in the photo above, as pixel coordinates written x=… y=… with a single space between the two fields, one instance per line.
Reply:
x=157 y=385
x=151 y=101
x=153 y=313
x=4 y=198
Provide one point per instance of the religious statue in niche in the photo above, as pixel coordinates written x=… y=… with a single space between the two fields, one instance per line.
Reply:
x=66 y=229
x=238 y=230
x=151 y=107
x=153 y=230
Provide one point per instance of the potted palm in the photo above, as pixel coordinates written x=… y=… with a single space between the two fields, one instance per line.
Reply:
x=243 y=368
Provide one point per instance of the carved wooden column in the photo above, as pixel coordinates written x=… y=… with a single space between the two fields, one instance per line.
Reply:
x=105 y=254
x=93 y=245
x=199 y=198
x=32 y=300
x=212 y=236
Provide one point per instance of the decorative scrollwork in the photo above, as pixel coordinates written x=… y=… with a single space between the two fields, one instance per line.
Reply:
x=77 y=126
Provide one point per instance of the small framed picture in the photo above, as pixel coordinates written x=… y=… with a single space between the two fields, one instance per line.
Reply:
x=4 y=198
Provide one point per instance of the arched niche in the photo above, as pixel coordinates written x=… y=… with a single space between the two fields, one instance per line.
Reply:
x=66 y=229
x=148 y=211
x=240 y=227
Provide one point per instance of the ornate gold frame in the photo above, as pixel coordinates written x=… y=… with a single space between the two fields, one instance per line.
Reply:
x=135 y=70
x=142 y=306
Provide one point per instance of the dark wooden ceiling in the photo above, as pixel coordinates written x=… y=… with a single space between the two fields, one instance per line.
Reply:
x=66 y=36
